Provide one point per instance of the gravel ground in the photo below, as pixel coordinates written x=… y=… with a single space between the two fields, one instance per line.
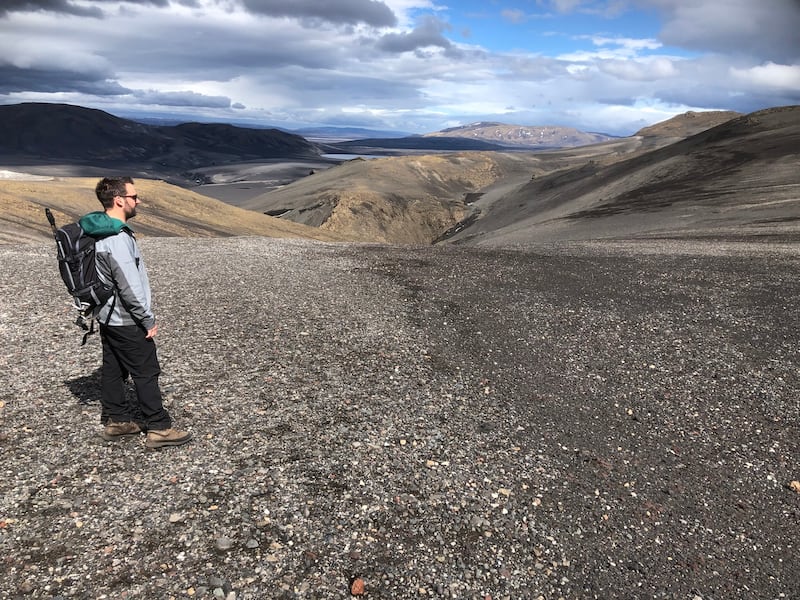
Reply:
x=575 y=421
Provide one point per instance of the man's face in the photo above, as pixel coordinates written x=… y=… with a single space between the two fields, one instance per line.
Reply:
x=131 y=200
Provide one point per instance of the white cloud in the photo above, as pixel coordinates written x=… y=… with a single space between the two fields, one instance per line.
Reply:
x=642 y=70
x=786 y=77
x=612 y=48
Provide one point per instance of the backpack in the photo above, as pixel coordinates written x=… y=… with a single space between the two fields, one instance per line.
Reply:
x=76 y=264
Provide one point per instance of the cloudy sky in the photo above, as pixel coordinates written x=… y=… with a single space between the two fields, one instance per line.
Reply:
x=406 y=65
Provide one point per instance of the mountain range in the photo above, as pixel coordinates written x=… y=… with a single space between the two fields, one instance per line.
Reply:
x=521 y=136
x=51 y=133
x=698 y=174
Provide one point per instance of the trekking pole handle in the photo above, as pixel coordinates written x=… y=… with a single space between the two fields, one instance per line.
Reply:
x=51 y=219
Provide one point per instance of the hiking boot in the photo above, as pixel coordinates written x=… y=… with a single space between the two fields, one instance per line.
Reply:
x=114 y=431
x=158 y=438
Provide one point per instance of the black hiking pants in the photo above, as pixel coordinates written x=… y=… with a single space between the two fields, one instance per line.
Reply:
x=126 y=351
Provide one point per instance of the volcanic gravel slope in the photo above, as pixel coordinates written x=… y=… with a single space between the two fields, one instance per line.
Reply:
x=601 y=420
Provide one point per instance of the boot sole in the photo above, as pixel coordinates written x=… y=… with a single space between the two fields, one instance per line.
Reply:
x=180 y=442
x=114 y=438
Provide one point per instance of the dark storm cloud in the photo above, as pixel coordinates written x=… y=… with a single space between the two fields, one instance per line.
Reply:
x=72 y=8
x=222 y=53
x=702 y=96
x=767 y=30
x=430 y=33
x=56 y=6
x=350 y=12
x=14 y=79
x=186 y=98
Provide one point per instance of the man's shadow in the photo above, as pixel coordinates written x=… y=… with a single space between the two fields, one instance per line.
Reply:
x=87 y=389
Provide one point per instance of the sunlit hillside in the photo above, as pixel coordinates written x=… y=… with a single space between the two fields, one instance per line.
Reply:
x=166 y=210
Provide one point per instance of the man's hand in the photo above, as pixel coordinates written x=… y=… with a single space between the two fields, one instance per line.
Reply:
x=151 y=333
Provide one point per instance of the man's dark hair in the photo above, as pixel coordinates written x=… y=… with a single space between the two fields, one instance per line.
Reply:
x=109 y=187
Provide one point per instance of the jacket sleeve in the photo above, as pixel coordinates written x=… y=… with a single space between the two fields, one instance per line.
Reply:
x=129 y=278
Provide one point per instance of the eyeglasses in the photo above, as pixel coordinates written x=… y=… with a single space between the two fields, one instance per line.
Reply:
x=133 y=197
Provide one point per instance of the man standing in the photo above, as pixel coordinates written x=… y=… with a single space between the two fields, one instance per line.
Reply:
x=127 y=323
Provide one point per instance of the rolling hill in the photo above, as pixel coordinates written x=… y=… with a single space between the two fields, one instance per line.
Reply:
x=739 y=178
x=402 y=200
x=167 y=211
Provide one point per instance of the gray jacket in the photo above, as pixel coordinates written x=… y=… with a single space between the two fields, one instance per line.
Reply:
x=120 y=264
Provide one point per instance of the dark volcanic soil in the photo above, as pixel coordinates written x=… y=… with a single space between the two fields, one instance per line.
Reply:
x=600 y=420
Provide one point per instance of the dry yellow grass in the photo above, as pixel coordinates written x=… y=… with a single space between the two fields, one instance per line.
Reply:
x=166 y=210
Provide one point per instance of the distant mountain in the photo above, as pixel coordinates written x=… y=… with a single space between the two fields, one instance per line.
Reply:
x=66 y=133
x=417 y=142
x=346 y=133
x=525 y=136
x=481 y=137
